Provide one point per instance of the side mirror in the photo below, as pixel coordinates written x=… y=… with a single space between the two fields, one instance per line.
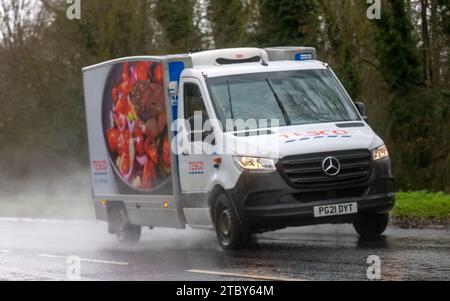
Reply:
x=361 y=107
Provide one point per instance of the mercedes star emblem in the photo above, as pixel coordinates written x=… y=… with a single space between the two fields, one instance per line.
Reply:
x=331 y=166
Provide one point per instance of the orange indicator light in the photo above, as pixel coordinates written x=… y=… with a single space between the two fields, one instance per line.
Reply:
x=217 y=161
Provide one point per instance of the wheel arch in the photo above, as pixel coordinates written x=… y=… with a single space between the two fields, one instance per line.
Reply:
x=113 y=205
x=212 y=197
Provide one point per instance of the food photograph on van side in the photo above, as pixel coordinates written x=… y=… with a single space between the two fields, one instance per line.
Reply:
x=225 y=141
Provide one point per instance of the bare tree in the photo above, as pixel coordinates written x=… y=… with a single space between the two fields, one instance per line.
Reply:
x=16 y=17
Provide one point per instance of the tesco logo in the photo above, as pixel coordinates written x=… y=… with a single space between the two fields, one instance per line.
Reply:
x=196 y=166
x=100 y=165
x=315 y=133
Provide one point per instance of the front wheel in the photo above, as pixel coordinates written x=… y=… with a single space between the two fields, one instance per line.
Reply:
x=126 y=232
x=371 y=225
x=230 y=233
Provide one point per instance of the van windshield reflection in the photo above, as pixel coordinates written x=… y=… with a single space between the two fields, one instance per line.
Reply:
x=291 y=97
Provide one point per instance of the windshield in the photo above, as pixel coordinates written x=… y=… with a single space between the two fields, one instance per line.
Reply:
x=293 y=97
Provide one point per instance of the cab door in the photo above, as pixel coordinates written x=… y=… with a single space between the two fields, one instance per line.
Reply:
x=196 y=165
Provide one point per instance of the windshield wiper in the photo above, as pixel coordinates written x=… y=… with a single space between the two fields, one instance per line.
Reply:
x=280 y=104
x=231 y=103
x=229 y=99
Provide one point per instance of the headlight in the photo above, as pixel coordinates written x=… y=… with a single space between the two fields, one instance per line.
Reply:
x=249 y=163
x=380 y=153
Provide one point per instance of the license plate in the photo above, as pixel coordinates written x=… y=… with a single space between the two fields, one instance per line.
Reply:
x=333 y=210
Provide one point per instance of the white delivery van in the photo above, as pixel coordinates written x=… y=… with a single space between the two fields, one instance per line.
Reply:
x=241 y=141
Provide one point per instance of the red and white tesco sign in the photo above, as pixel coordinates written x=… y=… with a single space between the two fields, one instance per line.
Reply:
x=100 y=165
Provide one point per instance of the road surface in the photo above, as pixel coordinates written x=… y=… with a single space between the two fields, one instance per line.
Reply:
x=51 y=250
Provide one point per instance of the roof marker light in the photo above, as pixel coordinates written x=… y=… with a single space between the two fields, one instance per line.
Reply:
x=304 y=56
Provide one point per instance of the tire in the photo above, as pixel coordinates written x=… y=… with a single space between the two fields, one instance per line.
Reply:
x=125 y=232
x=371 y=225
x=230 y=233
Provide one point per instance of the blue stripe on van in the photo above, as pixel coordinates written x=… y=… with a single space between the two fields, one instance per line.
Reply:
x=175 y=69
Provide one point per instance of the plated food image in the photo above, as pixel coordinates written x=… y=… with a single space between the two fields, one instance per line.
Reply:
x=136 y=127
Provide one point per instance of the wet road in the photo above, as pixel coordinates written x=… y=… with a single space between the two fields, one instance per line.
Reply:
x=40 y=250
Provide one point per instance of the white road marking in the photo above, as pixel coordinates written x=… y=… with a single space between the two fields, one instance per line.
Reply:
x=86 y=259
x=45 y=221
x=3 y=251
x=18 y=274
x=238 y=275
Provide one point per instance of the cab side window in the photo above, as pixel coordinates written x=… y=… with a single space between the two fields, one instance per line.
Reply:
x=195 y=112
x=193 y=101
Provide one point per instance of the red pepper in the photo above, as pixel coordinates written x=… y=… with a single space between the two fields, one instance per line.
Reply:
x=142 y=70
x=151 y=149
x=149 y=175
x=115 y=94
x=125 y=72
x=158 y=74
x=124 y=167
x=125 y=87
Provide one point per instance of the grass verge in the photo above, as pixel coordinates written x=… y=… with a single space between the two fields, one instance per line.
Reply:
x=421 y=209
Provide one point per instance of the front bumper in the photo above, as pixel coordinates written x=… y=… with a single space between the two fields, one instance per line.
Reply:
x=267 y=202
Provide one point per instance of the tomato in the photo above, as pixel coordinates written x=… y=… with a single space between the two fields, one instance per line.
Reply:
x=142 y=70
x=158 y=74
x=122 y=107
x=151 y=149
x=149 y=175
x=113 y=139
x=125 y=87
x=166 y=151
x=124 y=167
x=139 y=144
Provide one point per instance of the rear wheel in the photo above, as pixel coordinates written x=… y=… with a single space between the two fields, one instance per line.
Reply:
x=230 y=233
x=371 y=225
x=126 y=233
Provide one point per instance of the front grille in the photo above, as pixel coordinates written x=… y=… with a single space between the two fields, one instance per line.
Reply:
x=306 y=170
x=331 y=194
